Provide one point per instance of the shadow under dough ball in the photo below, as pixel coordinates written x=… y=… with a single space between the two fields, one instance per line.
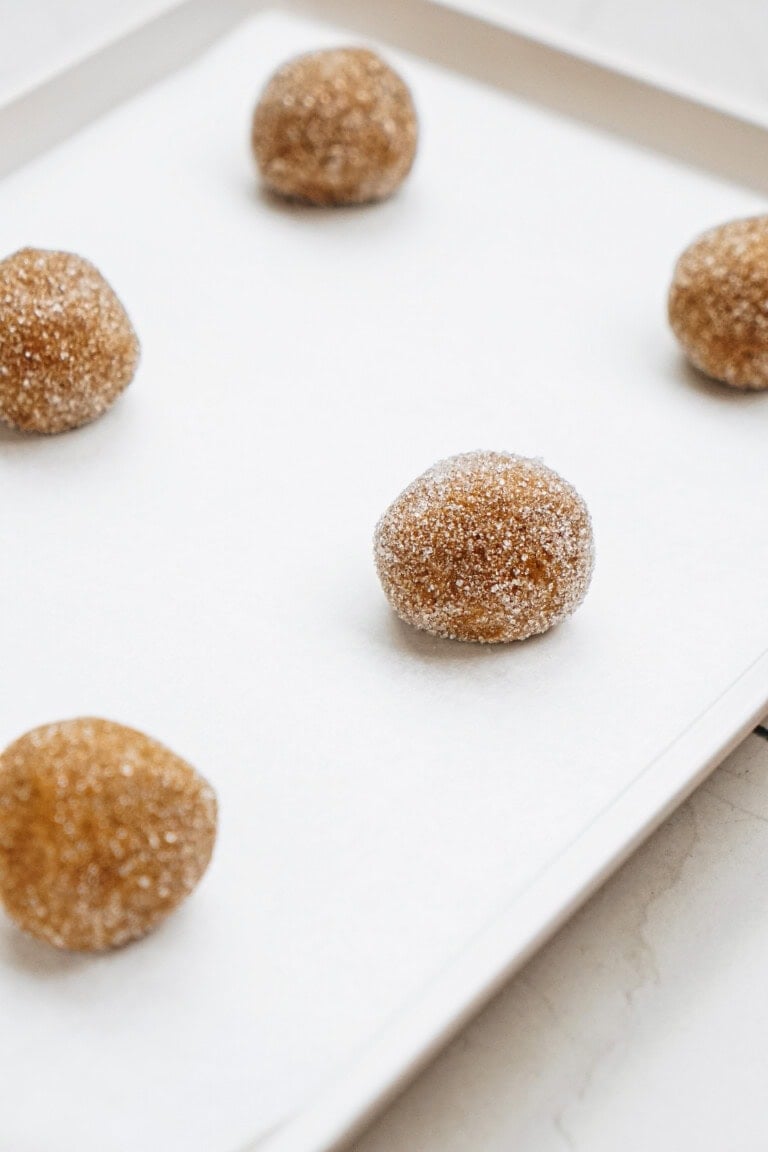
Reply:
x=718 y=303
x=335 y=127
x=67 y=347
x=103 y=832
x=485 y=546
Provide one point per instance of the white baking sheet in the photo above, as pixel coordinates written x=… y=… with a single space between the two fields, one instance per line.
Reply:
x=198 y=564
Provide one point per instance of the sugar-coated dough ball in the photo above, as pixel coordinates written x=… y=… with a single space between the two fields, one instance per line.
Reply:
x=485 y=546
x=103 y=832
x=718 y=302
x=335 y=127
x=67 y=348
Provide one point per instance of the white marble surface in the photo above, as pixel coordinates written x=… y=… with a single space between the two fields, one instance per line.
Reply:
x=644 y=1023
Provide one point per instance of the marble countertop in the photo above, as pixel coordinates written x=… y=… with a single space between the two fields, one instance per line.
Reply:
x=643 y=1023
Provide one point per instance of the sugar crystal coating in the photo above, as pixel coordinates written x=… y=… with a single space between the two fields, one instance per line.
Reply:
x=67 y=347
x=335 y=127
x=103 y=832
x=485 y=546
x=718 y=302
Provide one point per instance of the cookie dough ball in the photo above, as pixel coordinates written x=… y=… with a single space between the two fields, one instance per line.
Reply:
x=718 y=303
x=103 y=832
x=67 y=348
x=485 y=546
x=335 y=127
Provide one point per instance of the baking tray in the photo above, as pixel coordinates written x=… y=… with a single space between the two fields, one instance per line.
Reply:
x=404 y=820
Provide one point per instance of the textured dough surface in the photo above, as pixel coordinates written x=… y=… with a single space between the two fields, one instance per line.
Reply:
x=335 y=127
x=718 y=302
x=103 y=832
x=485 y=546
x=67 y=346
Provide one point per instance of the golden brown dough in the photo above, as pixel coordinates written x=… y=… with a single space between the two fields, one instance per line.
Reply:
x=67 y=347
x=103 y=832
x=335 y=127
x=485 y=546
x=718 y=302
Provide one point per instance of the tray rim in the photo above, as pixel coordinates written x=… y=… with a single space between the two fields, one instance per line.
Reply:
x=425 y=1024
x=575 y=44
x=562 y=40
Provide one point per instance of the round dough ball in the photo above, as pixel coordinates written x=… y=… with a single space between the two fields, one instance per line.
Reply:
x=485 y=546
x=67 y=348
x=335 y=127
x=718 y=303
x=103 y=832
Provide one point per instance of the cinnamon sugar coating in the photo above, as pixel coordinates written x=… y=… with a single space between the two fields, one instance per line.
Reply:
x=335 y=127
x=103 y=832
x=67 y=347
x=718 y=302
x=485 y=546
